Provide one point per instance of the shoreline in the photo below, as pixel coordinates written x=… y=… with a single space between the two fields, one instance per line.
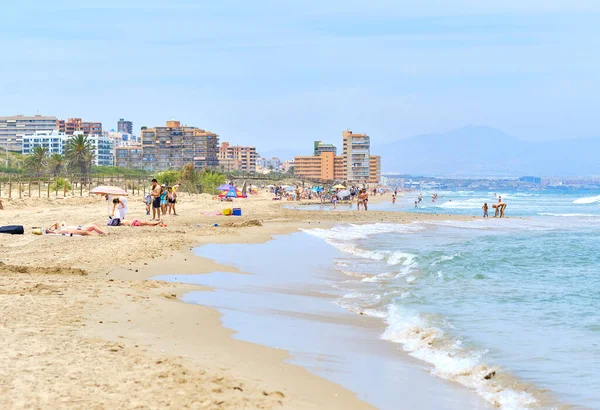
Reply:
x=80 y=326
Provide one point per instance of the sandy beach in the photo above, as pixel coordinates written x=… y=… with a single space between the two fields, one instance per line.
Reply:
x=82 y=326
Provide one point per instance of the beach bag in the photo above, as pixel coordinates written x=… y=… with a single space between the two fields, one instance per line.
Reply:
x=114 y=222
x=227 y=211
x=12 y=229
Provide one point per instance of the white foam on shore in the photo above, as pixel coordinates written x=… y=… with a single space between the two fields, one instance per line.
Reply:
x=587 y=200
x=345 y=239
x=449 y=359
x=569 y=215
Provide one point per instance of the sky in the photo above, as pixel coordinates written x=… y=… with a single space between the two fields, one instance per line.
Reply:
x=281 y=73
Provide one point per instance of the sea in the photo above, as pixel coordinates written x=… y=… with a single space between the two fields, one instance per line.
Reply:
x=507 y=309
x=515 y=298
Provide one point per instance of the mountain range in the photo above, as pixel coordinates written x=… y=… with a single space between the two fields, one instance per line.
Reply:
x=485 y=151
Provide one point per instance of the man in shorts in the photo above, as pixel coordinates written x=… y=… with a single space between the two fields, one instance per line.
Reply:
x=155 y=200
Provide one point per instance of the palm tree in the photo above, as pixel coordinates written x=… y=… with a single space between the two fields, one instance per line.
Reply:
x=37 y=160
x=80 y=153
x=57 y=163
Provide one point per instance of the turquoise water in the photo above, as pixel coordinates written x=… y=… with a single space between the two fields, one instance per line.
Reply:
x=518 y=297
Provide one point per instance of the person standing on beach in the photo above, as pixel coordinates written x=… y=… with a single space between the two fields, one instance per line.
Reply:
x=393 y=198
x=155 y=200
x=485 y=210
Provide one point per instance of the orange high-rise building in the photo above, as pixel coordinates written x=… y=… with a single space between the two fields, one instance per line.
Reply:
x=354 y=166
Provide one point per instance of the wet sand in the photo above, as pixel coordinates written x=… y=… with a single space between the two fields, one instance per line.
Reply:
x=82 y=327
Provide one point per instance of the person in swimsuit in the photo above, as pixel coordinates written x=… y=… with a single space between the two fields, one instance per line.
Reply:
x=155 y=200
x=59 y=228
x=163 y=199
x=172 y=200
x=138 y=222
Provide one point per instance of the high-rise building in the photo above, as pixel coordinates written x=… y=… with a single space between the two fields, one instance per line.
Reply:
x=355 y=166
x=320 y=148
x=73 y=125
x=237 y=158
x=12 y=129
x=129 y=156
x=175 y=145
x=357 y=156
x=126 y=127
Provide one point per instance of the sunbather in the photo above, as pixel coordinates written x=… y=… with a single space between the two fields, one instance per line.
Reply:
x=59 y=228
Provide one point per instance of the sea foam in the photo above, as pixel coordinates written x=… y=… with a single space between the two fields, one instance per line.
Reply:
x=450 y=360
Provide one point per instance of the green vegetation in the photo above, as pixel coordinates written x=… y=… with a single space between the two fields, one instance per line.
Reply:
x=80 y=154
x=36 y=162
x=60 y=184
x=169 y=178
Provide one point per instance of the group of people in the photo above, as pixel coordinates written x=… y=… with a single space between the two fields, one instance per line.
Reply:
x=161 y=199
x=498 y=207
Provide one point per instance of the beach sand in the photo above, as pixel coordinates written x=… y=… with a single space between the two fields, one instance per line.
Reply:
x=81 y=326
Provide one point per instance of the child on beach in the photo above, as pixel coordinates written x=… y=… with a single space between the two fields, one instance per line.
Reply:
x=393 y=198
x=485 y=210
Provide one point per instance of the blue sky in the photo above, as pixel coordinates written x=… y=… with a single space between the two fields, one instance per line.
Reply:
x=279 y=74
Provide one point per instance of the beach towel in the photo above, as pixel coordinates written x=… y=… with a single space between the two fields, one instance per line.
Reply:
x=12 y=229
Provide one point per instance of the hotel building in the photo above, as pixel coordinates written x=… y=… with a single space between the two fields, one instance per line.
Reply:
x=237 y=158
x=355 y=166
x=175 y=145
x=12 y=129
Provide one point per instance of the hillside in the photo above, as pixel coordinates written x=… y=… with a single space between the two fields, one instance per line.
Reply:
x=481 y=151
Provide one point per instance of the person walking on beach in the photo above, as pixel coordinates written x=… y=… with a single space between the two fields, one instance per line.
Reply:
x=485 y=210
x=155 y=200
x=172 y=200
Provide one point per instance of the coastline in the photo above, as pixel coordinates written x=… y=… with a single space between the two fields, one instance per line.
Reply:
x=121 y=336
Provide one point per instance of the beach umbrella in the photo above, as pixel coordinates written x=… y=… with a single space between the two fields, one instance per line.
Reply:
x=225 y=187
x=339 y=186
x=232 y=193
x=108 y=190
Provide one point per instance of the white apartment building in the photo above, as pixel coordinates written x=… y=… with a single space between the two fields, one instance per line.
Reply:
x=56 y=143
x=53 y=141
x=14 y=128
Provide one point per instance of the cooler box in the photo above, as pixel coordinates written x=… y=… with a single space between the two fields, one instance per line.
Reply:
x=237 y=212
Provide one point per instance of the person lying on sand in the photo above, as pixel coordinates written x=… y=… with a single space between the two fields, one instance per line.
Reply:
x=59 y=228
x=138 y=222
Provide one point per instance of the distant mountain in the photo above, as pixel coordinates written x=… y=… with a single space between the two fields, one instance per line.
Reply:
x=484 y=151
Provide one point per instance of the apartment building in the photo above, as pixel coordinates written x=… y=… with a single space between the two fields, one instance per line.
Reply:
x=237 y=158
x=175 y=145
x=355 y=166
x=320 y=147
x=375 y=169
x=356 y=151
x=125 y=127
x=73 y=125
x=14 y=128
x=129 y=156
x=56 y=143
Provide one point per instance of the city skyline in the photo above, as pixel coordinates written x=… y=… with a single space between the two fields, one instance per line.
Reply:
x=267 y=70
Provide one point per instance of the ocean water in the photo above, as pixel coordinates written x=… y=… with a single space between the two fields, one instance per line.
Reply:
x=508 y=308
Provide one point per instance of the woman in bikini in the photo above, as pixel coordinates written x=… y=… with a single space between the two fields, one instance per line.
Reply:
x=59 y=228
